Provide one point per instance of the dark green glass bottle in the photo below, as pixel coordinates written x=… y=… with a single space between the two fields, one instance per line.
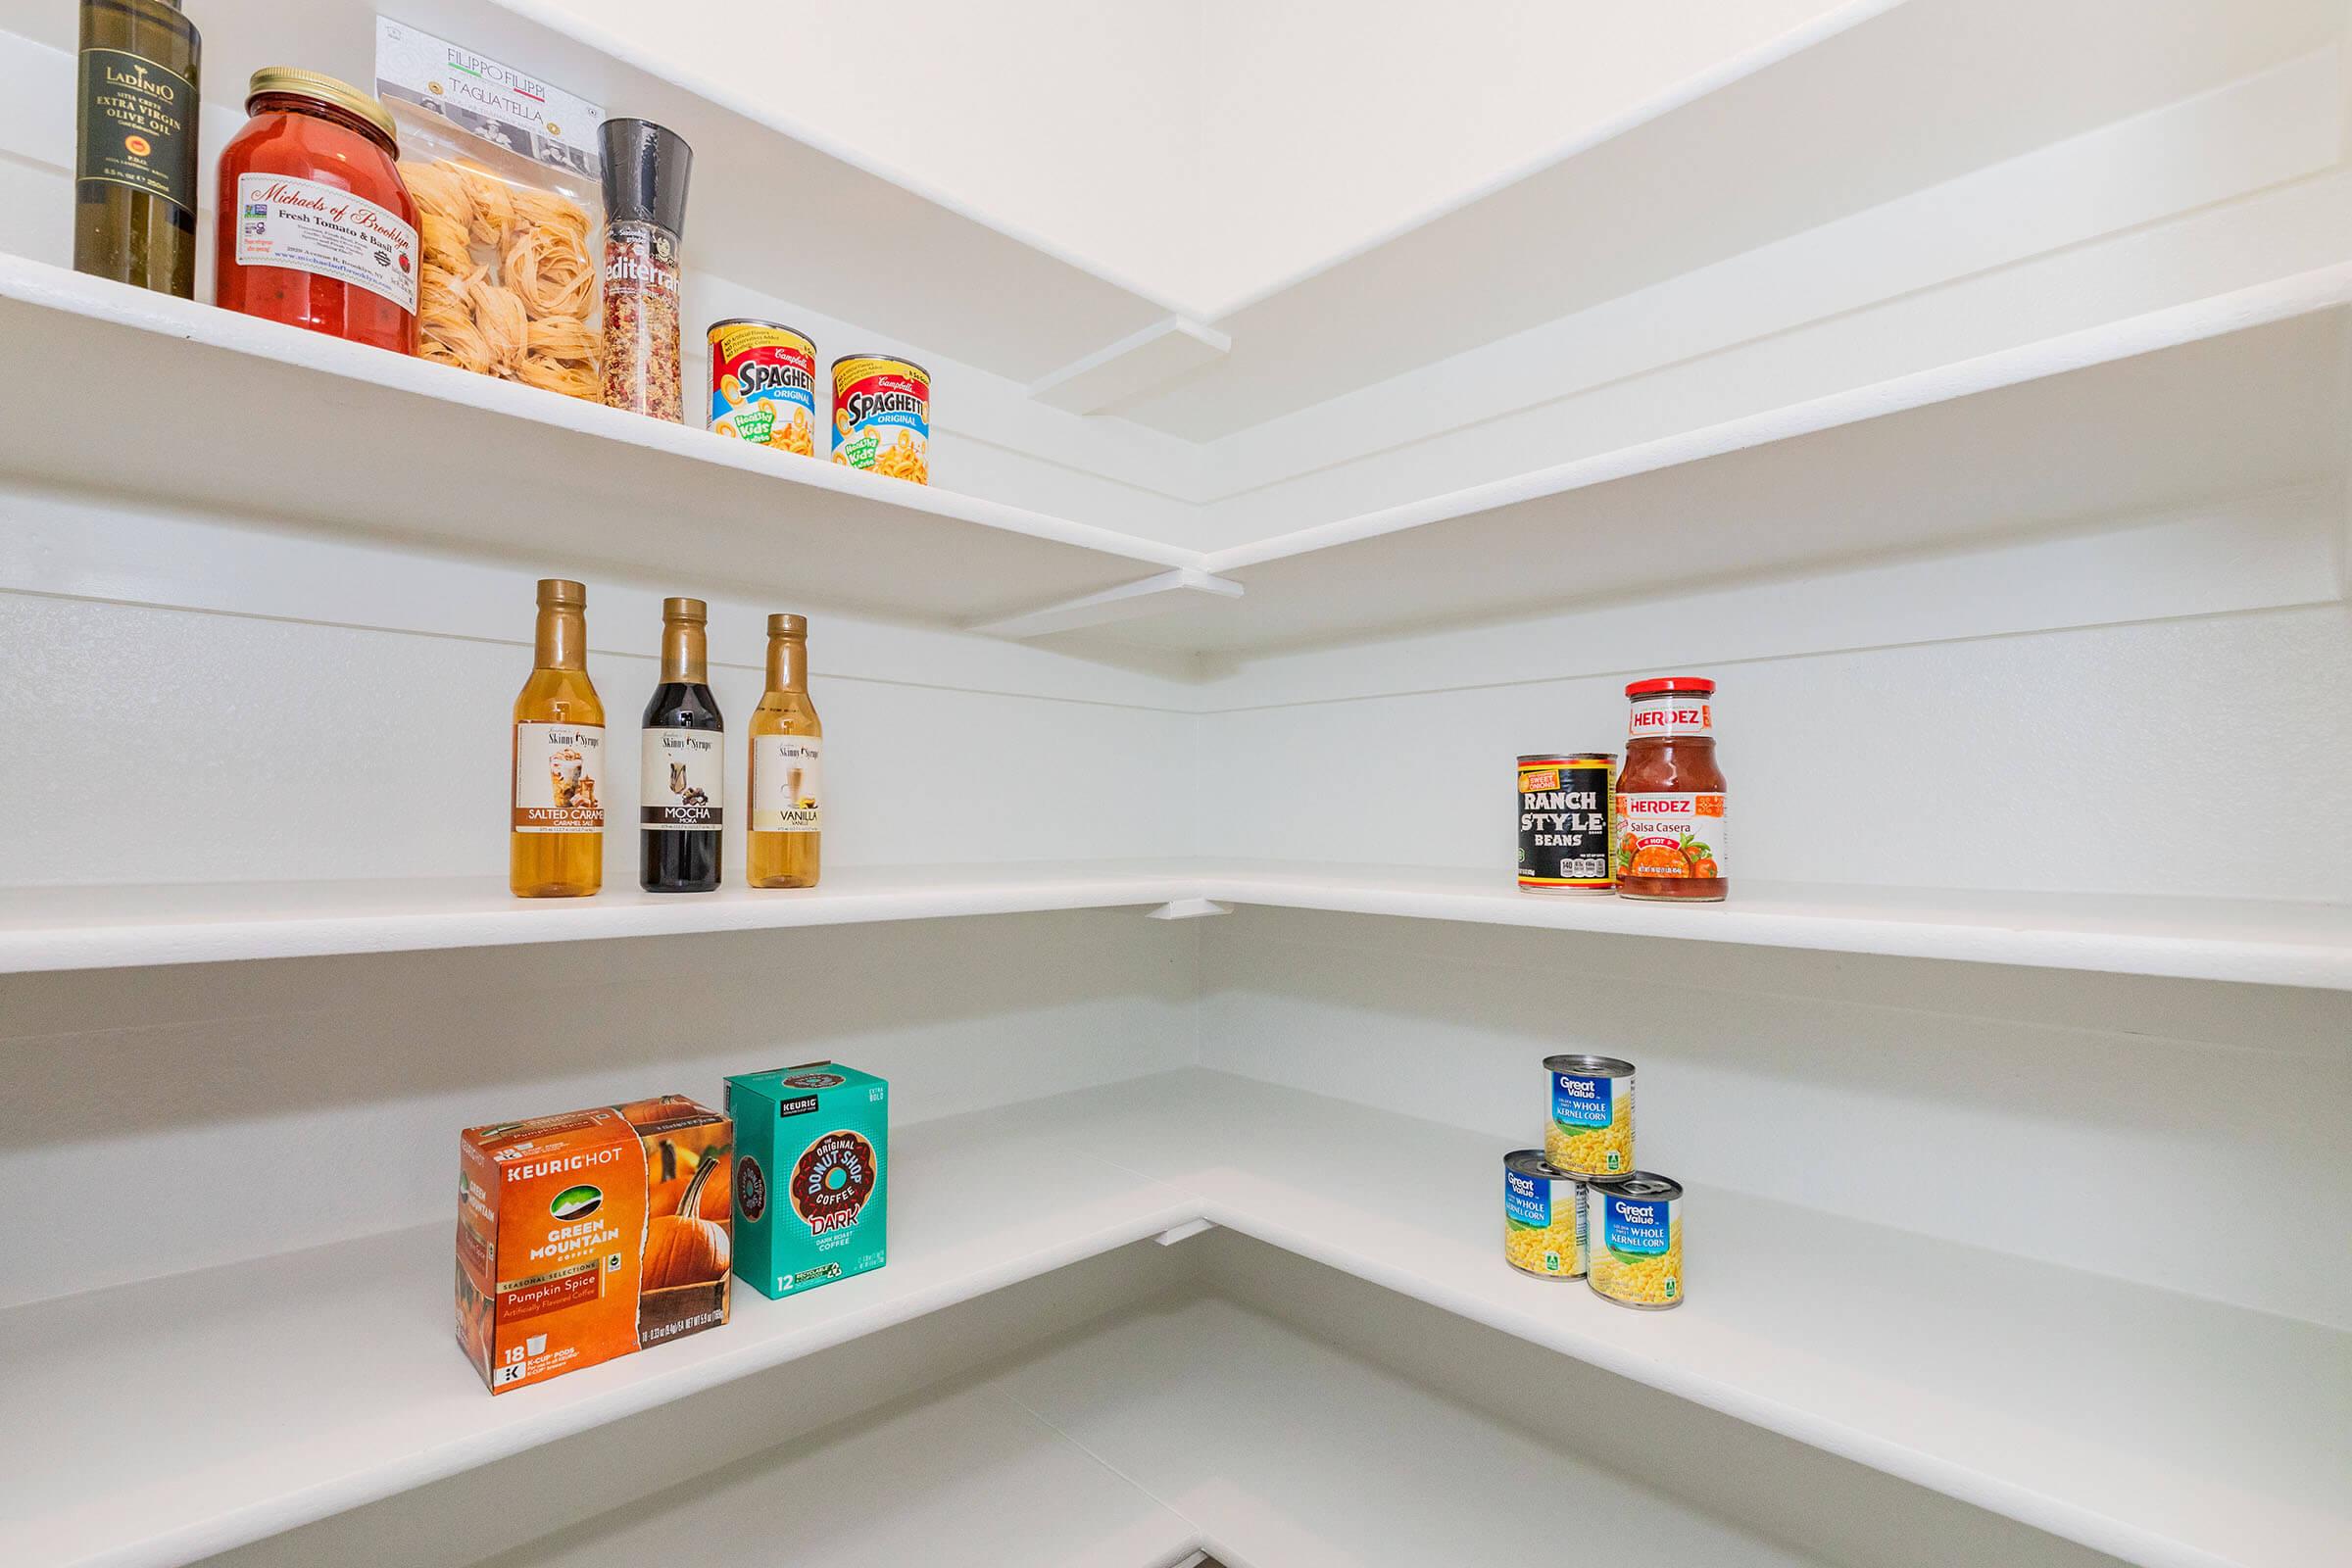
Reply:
x=134 y=170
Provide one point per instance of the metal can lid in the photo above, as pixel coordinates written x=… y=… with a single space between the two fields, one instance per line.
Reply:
x=1638 y=1184
x=1698 y=685
x=1531 y=1162
x=889 y=358
x=752 y=320
x=1583 y=1066
x=321 y=89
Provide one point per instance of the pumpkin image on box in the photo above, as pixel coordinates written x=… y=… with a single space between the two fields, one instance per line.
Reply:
x=590 y=1235
x=813 y=1149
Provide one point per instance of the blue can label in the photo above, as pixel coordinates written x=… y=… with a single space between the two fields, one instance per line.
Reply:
x=1637 y=1227
x=1525 y=1199
x=1581 y=1102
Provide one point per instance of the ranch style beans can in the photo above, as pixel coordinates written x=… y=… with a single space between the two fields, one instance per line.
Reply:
x=1566 y=805
x=1637 y=1239
x=1542 y=1217
x=763 y=385
x=882 y=416
x=1592 y=1131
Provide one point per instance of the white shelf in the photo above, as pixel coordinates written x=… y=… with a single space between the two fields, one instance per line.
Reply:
x=306 y=429
x=199 y=1412
x=189 y=1415
x=965 y=1479
x=2206 y=939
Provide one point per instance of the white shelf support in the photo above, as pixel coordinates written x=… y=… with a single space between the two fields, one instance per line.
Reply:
x=1139 y=363
x=1151 y=596
x=1189 y=909
x=1184 y=1232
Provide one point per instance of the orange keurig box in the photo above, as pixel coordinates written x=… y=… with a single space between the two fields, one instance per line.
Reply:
x=587 y=1235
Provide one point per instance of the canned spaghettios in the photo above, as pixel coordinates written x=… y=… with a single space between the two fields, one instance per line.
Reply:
x=1542 y=1217
x=763 y=385
x=1566 y=801
x=1592 y=1131
x=1637 y=1239
x=882 y=416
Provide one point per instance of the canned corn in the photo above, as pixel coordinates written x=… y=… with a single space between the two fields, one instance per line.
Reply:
x=882 y=416
x=1636 y=1252
x=1542 y=1217
x=1592 y=1131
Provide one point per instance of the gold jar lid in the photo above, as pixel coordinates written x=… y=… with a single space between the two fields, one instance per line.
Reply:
x=788 y=625
x=327 y=90
x=561 y=593
x=693 y=609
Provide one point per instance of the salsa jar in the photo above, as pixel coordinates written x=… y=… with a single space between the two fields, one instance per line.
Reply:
x=316 y=229
x=1670 y=795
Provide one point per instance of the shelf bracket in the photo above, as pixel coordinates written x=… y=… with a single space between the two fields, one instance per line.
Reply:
x=1138 y=363
x=1184 y=1232
x=1189 y=909
x=1131 y=601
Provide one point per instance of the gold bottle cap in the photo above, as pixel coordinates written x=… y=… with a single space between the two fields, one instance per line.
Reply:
x=693 y=609
x=325 y=89
x=788 y=625
x=561 y=593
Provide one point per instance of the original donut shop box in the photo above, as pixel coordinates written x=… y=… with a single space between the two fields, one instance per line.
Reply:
x=590 y=1235
x=813 y=1149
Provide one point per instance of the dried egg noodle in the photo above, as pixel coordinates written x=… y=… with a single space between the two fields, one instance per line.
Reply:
x=508 y=285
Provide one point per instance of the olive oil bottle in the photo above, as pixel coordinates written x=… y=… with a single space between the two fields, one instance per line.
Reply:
x=134 y=166
x=684 y=762
x=787 y=784
x=557 y=846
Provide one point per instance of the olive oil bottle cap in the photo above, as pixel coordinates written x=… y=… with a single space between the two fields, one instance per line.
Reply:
x=693 y=609
x=561 y=593
x=788 y=625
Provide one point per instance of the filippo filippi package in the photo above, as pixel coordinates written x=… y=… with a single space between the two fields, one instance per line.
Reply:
x=813 y=1149
x=589 y=1235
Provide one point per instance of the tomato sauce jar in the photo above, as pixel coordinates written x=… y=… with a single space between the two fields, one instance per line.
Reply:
x=1670 y=795
x=316 y=229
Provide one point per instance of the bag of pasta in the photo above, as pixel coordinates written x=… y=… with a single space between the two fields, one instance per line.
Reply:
x=504 y=170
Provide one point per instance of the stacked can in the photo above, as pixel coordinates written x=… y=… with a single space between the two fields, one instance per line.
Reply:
x=1579 y=1208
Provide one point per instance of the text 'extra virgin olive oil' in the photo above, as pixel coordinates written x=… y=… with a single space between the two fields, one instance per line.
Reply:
x=679 y=808
x=787 y=782
x=556 y=847
x=134 y=165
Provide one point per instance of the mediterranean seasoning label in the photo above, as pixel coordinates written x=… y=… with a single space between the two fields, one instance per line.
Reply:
x=139 y=126
x=680 y=787
x=307 y=226
x=1670 y=834
x=786 y=783
x=559 y=771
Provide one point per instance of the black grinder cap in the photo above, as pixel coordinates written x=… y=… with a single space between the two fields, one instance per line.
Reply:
x=646 y=168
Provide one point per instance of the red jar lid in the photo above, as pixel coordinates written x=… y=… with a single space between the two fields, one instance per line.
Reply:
x=1672 y=683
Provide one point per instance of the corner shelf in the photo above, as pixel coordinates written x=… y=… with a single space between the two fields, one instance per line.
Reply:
x=193 y=1414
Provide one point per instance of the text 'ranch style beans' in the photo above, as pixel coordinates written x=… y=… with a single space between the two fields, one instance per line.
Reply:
x=882 y=416
x=1565 y=802
x=1637 y=1239
x=1542 y=1217
x=1592 y=1131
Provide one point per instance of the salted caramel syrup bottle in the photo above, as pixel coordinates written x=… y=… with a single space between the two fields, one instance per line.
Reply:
x=556 y=848
x=787 y=782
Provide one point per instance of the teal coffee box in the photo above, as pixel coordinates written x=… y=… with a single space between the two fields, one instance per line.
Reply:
x=811 y=1150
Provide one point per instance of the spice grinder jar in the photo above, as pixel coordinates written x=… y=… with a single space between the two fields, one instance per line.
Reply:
x=646 y=171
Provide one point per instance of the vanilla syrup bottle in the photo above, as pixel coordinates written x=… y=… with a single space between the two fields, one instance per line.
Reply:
x=787 y=753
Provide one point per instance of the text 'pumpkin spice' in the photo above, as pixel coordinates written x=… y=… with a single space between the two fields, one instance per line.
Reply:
x=586 y=1236
x=813 y=1149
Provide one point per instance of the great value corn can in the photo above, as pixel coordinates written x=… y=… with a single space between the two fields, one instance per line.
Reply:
x=763 y=385
x=882 y=416
x=1637 y=1239
x=1542 y=1217
x=1592 y=1131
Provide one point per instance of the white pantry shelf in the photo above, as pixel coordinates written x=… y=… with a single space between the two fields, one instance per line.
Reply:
x=198 y=1413
x=252 y=418
x=2205 y=939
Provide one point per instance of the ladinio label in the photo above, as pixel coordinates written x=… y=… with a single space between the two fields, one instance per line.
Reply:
x=559 y=773
x=1670 y=834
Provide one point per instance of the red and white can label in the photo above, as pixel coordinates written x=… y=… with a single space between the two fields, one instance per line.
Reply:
x=1670 y=834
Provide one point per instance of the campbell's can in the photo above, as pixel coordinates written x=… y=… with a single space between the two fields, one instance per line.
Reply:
x=763 y=385
x=1566 y=807
x=882 y=416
